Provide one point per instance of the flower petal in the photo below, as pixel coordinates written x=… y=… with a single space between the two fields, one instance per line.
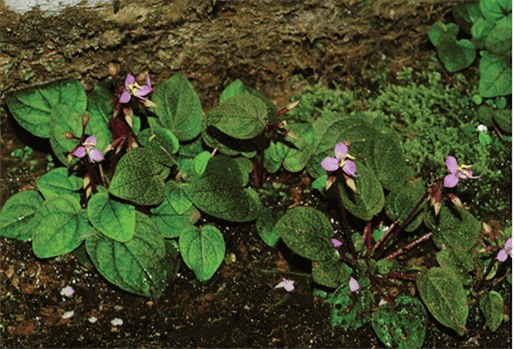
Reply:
x=354 y=285
x=451 y=181
x=148 y=82
x=341 y=150
x=288 y=285
x=451 y=163
x=80 y=152
x=91 y=139
x=129 y=81
x=330 y=164
x=349 y=167
x=143 y=91
x=336 y=242
x=125 y=97
x=502 y=256
x=95 y=154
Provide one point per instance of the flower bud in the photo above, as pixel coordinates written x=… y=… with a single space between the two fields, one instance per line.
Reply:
x=292 y=105
x=68 y=135
x=113 y=70
x=85 y=119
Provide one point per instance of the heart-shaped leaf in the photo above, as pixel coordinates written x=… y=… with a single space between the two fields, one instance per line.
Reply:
x=202 y=250
x=445 y=297
x=113 y=219
x=17 y=215
x=404 y=326
x=138 y=265
x=307 y=232
x=137 y=178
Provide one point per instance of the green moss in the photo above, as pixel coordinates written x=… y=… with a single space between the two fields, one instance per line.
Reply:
x=433 y=119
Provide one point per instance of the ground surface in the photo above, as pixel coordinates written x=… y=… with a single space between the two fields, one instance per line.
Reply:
x=265 y=45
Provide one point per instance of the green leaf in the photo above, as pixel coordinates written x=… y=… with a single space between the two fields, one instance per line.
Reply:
x=458 y=263
x=330 y=273
x=307 y=232
x=499 y=40
x=384 y=266
x=445 y=298
x=176 y=196
x=495 y=10
x=32 y=106
x=234 y=89
x=454 y=226
x=484 y=139
x=467 y=14
x=438 y=32
x=369 y=198
x=480 y=31
x=57 y=182
x=495 y=75
x=295 y=159
x=65 y=118
x=180 y=109
x=404 y=326
x=200 y=162
x=504 y=119
x=172 y=261
x=138 y=265
x=17 y=215
x=388 y=161
x=156 y=138
x=491 y=305
x=265 y=225
x=169 y=223
x=137 y=178
x=456 y=55
x=100 y=112
x=202 y=250
x=219 y=191
x=241 y=116
x=350 y=309
x=58 y=226
x=400 y=203
x=114 y=219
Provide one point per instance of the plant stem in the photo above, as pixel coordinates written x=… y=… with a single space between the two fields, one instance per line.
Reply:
x=402 y=276
x=411 y=214
x=409 y=246
x=489 y=267
x=90 y=171
x=346 y=225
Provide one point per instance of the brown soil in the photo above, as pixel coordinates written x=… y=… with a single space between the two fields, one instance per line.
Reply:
x=265 y=44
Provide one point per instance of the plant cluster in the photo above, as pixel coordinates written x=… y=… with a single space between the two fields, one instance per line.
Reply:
x=432 y=118
x=143 y=164
x=490 y=24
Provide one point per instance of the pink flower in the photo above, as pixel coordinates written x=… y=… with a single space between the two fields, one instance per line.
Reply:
x=462 y=171
x=354 y=285
x=133 y=88
x=503 y=254
x=341 y=152
x=88 y=145
x=336 y=242
x=288 y=285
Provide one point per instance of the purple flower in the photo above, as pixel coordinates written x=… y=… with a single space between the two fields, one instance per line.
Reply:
x=502 y=255
x=94 y=154
x=133 y=88
x=354 y=285
x=341 y=152
x=336 y=242
x=288 y=285
x=462 y=171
